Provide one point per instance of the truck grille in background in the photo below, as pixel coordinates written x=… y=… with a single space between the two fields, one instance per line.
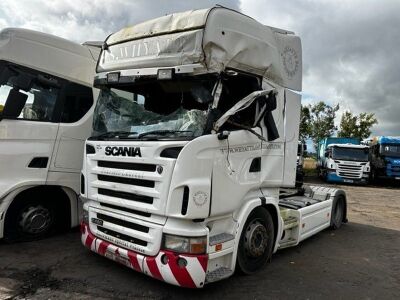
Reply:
x=126 y=196
x=349 y=171
x=125 y=180
x=127 y=166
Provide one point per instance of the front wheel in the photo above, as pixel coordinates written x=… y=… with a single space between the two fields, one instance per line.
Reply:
x=29 y=220
x=256 y=241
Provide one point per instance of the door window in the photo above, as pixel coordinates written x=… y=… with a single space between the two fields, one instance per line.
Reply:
x=33 y=96
x=78 y=101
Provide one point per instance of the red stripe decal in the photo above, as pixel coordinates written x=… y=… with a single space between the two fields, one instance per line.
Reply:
x=103 y=247
x=152 y=264
x=89 y=240
x=203 y=261
x=181 y=274
x=134 y=260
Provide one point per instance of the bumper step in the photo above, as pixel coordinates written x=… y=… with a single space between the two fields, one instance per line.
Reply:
x=218 y=274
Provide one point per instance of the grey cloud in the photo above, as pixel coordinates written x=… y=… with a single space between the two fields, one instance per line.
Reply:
x=350 y=51
x=82 y=20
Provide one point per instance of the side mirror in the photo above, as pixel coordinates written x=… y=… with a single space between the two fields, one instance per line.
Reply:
x=14 y=104
x=326 y=154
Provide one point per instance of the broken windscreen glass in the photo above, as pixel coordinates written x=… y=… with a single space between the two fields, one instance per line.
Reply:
x=172 y=109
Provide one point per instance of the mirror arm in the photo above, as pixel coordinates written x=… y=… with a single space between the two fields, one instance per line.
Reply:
x=246 y=128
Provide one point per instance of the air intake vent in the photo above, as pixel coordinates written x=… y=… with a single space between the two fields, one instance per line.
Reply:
x=82 y=184
x=171 y=152
x=185 y=200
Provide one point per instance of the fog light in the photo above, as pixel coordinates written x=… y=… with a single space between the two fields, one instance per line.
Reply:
x=182 y=262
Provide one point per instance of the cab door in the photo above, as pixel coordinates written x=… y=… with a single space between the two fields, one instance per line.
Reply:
x=28 y=125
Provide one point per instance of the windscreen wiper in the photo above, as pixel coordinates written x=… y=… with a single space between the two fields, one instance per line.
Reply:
x=161 y=132
x=112 y=134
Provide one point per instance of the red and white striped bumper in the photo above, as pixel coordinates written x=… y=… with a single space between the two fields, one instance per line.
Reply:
x=164 y=266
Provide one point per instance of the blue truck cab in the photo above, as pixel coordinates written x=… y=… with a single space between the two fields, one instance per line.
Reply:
x=343 y=160
x=385 y=157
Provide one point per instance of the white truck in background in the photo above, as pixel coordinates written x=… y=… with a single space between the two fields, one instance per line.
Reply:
x=46 y=108
x=195 y=132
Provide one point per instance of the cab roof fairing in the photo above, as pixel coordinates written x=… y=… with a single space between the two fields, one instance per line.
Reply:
x=218 y=38
x=63 y=58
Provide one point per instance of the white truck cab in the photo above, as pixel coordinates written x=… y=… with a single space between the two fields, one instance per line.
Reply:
x=347 y=163
x=195 y=131
x=46 y=108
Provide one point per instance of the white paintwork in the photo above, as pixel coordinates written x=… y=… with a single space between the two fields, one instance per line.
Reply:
x=22 y=140
x=216 y=169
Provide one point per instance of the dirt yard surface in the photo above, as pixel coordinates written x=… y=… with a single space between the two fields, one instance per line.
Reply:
x=361 y=260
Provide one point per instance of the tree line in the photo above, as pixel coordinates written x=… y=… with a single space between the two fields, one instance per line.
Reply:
x=317 y=121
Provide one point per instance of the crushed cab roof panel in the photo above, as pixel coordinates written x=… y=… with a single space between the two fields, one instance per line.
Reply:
x=217 y=38
x=176 y=22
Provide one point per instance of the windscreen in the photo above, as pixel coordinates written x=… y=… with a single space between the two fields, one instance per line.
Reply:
x=352 y=154
x=156 y=109
x=390 y=150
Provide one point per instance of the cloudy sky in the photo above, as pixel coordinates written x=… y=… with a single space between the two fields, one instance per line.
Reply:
x=351 y=48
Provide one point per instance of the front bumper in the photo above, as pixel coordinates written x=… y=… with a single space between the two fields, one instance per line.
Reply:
x=333 y=177
x=190 y=272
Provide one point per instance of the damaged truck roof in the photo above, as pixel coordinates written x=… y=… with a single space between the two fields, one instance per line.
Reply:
x=217 y=38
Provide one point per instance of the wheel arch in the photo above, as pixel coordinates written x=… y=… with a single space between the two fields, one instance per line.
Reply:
x=268 y=203
x=340 y=194
x=65 y=197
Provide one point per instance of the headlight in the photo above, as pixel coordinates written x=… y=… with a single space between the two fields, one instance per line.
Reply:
x=182 y=244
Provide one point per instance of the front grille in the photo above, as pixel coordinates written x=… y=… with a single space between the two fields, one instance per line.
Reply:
x=127 y=166
x=122 y=236
x=124 y=180
x=126 y=196
x=123 y=223
x=349 y=171
x=128 y=210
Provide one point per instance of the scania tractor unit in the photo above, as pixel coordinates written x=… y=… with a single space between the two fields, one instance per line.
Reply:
x=195 y=131
x=385 y=157
x=343 y=160
x=46 y=109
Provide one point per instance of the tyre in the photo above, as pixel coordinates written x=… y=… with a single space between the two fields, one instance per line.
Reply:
x=338 y=213
x=29 y=220
x=256 y=241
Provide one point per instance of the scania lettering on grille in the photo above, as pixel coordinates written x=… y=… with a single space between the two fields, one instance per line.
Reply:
x=123 y=151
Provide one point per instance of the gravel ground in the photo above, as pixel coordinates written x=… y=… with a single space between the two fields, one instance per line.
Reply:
x=361 y=260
